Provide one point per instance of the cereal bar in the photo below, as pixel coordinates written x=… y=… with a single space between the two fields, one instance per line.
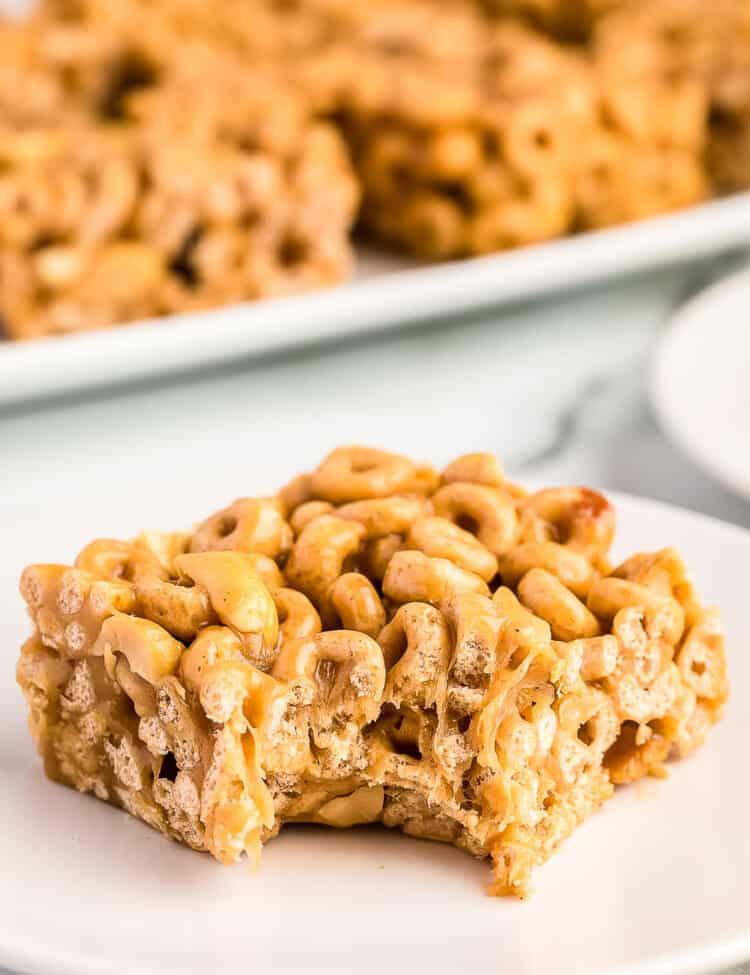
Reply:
x=439 y=652
x=175 y=196
x=503 y=137
x=463 y=147
x=689 y=43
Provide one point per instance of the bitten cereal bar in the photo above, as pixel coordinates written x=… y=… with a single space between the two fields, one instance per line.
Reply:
x=379 y=642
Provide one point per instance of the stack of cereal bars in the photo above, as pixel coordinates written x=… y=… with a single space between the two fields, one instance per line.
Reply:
x=158 y=156
x=379 y=642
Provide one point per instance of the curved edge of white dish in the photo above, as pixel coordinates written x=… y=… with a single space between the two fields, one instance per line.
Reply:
x=701 y=958
x=698 y=961
x=666 y=386
x=387 y=301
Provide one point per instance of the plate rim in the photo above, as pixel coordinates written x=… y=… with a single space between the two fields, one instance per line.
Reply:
x=682 y=321
x=701 y=958
x=416 y=295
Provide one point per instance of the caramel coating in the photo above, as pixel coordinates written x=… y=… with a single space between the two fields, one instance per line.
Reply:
x=456 y=659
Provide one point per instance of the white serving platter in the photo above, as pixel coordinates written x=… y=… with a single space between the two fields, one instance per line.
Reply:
x=658 y=883
x=386 y=294
x=700 y=385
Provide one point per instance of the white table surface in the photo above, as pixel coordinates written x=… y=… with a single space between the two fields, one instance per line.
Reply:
x=557 y=389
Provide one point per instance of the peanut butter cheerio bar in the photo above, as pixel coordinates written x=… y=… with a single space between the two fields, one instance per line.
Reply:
x=161 y=156
x=470 y=137
x=379 y=642
x=177 y=196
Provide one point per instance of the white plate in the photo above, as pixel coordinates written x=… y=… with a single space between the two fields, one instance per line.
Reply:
x=658 y=883
x=386 y=294
x=700 y=381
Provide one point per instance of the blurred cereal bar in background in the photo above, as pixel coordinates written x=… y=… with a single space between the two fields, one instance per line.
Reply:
x=684 y=44
x=464 y=135
x=163 y=156
x=138 y=186
x=471 y=137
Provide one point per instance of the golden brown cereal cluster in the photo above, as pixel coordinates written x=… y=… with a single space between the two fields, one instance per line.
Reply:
x=130 y=187
x=518 y=141
x=245 y=136
x=460 y=153
x=565 y=19
x=379 y=642
x=678 y=44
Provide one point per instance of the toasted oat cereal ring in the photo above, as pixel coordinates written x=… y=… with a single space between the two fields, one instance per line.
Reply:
x=415 y=577
x=475 y=469
x=105 y=558
x=607 y=596
x=295 y=493
x=534 y=141
x=306 y=512
x=476 y=624
x=233 y=686
x=212 y=645
x=238 y=595
x=69 y=605
x=547 y=597
x=634 y=702
x=181 y=610
x=152 y=653
x=383 y=516
x=483 y=511
x=357 y=473
x=520 y=621
x=589 y=716
x=441 y=538
x=248 y=525
x=701 y=659
x=345 y=670
x=164 y=547
x=298 y=618
x=572 y=569
x=355 y=602
x=642 y=653
x=627 y=761
x=599 y=656
x=416 y=647
x=266 y=568
x=576 y=517
x=377 y=553
x=589 y=727
x=321 y=554
x=664 y=573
